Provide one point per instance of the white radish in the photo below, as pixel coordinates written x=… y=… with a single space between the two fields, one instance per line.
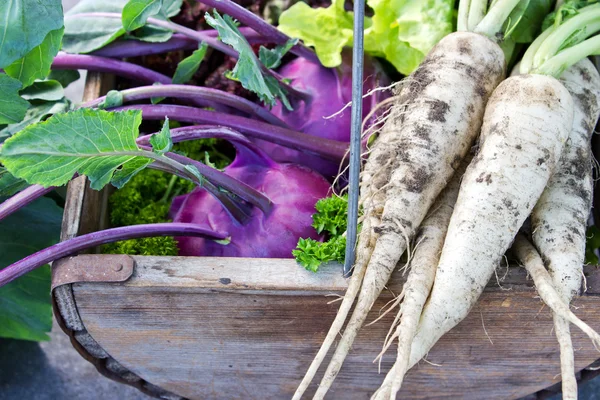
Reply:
x=559 y=219
x=444 y=103
x=423 y=264
x=527 y=120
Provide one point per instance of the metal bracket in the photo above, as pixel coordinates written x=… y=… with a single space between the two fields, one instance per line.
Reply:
x=91 y=268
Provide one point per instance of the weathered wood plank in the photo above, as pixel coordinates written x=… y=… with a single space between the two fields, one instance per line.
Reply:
x=176 y=325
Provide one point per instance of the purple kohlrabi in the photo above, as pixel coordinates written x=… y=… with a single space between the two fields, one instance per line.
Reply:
x=293 y=189
x=330 y=90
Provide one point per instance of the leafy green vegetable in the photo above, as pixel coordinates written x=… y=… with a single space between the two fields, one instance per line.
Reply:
x=36 y=113
x=569 y=9
x=84 y=34
x=328 y=30
x=401 y=31
x=12 y=106
x=48 y=90
x=189 y=65
x=331 y=218
x=332 y=215
x=311 y=254
x=136 y=13
x=95 y=143
x=36 y=64
x=248 y=70
x=10 y=185
x=24 y=24
x=271 y=58
x=161 y=142
x=25 y=309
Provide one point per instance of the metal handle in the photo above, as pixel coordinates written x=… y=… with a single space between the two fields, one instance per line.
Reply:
x=355 y=133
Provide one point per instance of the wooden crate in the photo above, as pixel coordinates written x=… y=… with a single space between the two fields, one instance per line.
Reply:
x=229 y=328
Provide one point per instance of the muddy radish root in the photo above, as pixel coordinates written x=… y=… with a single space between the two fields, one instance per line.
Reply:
x=527 y=120
x=532 y=261
x=559 y=219
x=442 y=111
x=423 y=264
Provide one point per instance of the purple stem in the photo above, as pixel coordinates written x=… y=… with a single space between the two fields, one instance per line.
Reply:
x=259 y=25
x=213 y=42
x=237 y=210
x=21 y=199
x=239 y=141
x=102 y=64
x=221 y=179
x=324 y=148
x=90 y=240
x=196 y=93
x=135 y=48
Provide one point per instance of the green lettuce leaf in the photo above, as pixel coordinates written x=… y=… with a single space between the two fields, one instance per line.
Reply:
x=328 y=30
x=401 y=31
x=25 y=308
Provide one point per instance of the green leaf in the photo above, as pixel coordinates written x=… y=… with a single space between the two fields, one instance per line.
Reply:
x=36 y=64
x=151 y=34
x=35 y=114
x=113 y=98
x=328 y=30
x=194 y=171
x=94 y=143
x=311 y=254
x=161 y=142
x=86 y=34
x=64 y=76
x=44 y=90
x=189 y=65
x=25 y=308
x=526 y=20
x=10 y=185
x=271 y=58
x=248 y=69
x=331 y=215
x=24 y=24
x=136 y=13
x=12 y=106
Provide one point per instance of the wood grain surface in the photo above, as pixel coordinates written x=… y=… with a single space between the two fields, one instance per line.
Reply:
x=217 y=328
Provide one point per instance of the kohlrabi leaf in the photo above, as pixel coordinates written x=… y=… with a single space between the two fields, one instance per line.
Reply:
x=161 y=142
x=12 y=106
x=36 y=64
x=35 y=114
x=151 y=34
x=328 y=30
x=24 y=24
x=89 y=33
x=136 y=13
x=64 y=76
x=10 y=185
x=48 y=90
x=248 y=69
x=94 y=143
x=271 y=58
x=25 y=308
x=189 y=65
x=524 y=22
x=113 y=98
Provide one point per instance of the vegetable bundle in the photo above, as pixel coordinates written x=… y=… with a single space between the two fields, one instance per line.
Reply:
x=283 y=123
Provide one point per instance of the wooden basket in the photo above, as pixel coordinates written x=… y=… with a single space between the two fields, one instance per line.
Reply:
x=229 y=328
